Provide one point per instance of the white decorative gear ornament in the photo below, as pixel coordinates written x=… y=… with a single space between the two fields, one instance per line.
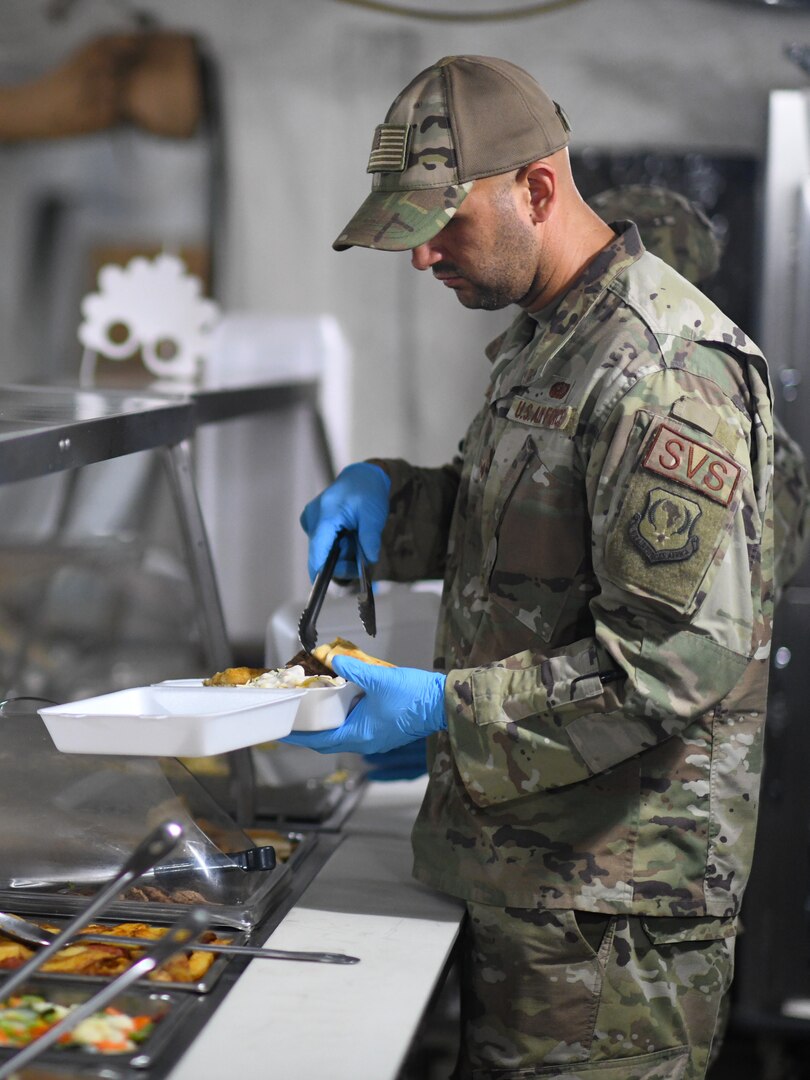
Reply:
x=152 y=305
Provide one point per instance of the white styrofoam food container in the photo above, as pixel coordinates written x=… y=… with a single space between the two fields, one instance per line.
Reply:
x=319 y=708
x=325 y=707
x=188 y=723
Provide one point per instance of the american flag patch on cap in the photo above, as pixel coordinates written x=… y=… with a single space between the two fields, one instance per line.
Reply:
x=389 y=151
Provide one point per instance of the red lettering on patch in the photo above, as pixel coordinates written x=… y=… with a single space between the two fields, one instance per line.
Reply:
x=677 y=457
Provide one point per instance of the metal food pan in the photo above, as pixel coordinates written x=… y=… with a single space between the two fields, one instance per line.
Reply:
x=171 y=1008
x=49 y=899
x=201 y=986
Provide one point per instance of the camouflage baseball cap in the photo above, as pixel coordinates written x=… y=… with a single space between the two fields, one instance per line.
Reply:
x=670 y=225
x=463 y=118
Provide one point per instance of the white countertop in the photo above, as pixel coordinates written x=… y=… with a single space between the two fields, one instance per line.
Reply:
x=305 y=1021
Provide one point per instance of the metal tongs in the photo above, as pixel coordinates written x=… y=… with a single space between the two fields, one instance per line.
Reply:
x=307 y=634
x=156 y=846
x=177 y=937
x=151 y=850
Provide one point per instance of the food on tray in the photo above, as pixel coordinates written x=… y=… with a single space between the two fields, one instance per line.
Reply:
x=293 y=678
x=300 y=672
x=286 y=678
x=234 y=676
x=310 y=664
x=24 y=1017
x=303 y=670
x=341 y=647
x=155 y=895
x=98 y=958
x=151 y=893
x=284 y=843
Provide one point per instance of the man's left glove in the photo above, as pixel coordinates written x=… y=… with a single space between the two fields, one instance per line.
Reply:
x=404 y=763
x=399 y=706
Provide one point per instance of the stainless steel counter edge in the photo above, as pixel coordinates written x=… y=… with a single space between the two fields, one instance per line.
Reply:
x=47 y=429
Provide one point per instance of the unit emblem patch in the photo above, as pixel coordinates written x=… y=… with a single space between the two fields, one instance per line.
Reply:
x=678 y=457
x=663 y=530
x=671 y=523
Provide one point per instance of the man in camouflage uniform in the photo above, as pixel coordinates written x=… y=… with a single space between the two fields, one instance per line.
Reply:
x=605 y=540
x=678 y=231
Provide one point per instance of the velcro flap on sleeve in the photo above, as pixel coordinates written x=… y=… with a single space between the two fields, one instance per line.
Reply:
x=672 y=522
x=504 y=694
x=604 y=739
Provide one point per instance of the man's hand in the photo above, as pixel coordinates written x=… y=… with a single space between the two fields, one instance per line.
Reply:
x=400 y=705
x=358 y=501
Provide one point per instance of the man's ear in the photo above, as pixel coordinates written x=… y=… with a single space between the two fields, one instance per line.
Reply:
x=542 y=183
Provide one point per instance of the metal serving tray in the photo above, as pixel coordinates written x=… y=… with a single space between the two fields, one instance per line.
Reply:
x=173 y=1010
x=201 y=986
x=55 y=900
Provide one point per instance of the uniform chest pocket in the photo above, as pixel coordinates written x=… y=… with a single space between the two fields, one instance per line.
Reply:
x=535 y=531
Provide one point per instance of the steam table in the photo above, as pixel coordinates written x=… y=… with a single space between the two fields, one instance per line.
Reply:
x=307 y=1021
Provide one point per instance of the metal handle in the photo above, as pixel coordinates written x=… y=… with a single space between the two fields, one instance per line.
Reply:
x=32 y=934
x=154 y=847
x=258 y=952
x=249 y=861
x=293 y=954
x=365 y=599
x=307 y=633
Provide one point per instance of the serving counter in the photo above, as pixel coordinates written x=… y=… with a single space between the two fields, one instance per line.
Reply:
x=356 y=895
x=308 y=1021
x=349 y=892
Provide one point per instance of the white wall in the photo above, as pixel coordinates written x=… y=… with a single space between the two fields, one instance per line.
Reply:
x=306 y=82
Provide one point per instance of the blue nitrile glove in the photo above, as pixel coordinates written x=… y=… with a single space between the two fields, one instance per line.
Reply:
x=356 y=500
x=404 y=763
x=399 y=706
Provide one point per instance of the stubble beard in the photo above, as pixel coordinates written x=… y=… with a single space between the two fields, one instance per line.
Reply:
x=507 y=274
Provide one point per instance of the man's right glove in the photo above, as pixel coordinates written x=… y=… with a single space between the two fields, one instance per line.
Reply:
x=357 y=500
x=399 y=706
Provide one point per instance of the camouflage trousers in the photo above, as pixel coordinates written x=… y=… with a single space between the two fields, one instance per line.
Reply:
x=573 y=995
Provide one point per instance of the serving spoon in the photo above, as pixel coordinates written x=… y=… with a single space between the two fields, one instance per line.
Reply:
x=32 y=934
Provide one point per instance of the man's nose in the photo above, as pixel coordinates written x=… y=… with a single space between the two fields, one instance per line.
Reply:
x=423 y=256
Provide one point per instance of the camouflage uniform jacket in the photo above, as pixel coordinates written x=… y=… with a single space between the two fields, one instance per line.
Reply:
x=791 y=507
x=606 y=546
